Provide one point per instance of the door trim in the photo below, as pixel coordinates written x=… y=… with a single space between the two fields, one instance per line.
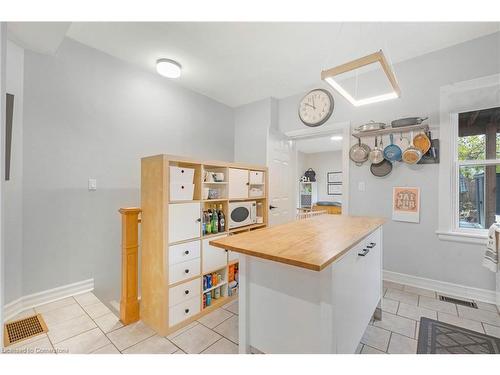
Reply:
x=323 y=131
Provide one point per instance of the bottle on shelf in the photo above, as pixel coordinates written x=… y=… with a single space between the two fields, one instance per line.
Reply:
x=215 y=224
x=207 y=223
x=222 y=220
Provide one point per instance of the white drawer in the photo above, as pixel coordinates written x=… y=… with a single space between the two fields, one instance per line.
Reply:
x=214 y=258
x=184 y=221
x=183 y=311
x=256 y=177
x=184 y=292
x=180 y=175
x=181 y=192
x=183 y=252
x=183 y=271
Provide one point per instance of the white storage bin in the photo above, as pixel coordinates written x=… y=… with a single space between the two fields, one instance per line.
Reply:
x=179 y=175
x=255 y=192
x=256 y=177
x=181 y=192
x=183 y=311
x=182 y=293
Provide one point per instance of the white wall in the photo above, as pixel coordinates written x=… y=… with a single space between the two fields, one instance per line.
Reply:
x=322 y=163
x=13 y=189
x=414 y=248
x=87 y=114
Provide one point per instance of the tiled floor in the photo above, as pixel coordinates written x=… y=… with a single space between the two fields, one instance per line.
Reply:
x=85 y=325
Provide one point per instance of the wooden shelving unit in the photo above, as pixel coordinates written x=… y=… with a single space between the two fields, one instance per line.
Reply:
x=175 y=254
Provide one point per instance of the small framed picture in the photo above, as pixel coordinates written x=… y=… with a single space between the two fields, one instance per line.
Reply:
x=334 y=177
x=334 y=189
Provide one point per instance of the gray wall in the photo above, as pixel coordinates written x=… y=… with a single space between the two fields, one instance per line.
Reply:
x=14 y=187
x=415 y=248
x=87 y=114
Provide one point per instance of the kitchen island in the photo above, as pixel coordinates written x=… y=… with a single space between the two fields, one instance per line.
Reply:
x=309 y=286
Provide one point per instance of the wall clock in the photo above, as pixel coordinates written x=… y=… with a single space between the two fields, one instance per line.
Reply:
x=316 y=107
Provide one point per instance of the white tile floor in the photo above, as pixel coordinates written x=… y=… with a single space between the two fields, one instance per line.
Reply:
x=85 y=325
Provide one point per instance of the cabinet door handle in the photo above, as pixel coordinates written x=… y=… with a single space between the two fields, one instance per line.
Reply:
x=182 y=186
x=198 y=220
x=363 y=252
x=186 y=311
x=186 y=252
x=186 y=271
x=186 y=291
x=371 y=245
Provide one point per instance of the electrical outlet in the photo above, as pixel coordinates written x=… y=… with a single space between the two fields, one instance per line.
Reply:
x=361 y=186
x=92 y=184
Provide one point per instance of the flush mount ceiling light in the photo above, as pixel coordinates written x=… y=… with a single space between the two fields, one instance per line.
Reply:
x=378 y=57
x=336 y=138
x=168 y=68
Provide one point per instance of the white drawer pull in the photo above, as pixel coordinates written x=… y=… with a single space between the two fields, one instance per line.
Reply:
x=363 y=252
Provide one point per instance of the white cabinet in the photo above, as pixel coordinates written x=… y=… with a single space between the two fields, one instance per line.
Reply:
x=181 y=192
x=180 y=175
x=256 y=177
x=183 y=271
x=238 y=183
x=213 y=257
x=183 y=311
x=183 y=292
x=357 y=288
x=184 y=221
x=183 y=252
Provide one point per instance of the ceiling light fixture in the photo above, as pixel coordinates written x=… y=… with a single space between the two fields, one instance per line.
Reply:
x=168 y=68
x=377 y=57
x=336 y=138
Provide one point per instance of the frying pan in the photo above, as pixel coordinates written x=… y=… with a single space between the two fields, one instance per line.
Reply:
x=407 y=121
x=392 y=152
x=422 y=142
x=381 y=169
x=372 y=125
x=359 y=153
x=377 y=154
x=412 y=154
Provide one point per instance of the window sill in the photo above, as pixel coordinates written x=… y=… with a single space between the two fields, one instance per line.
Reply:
x=474 y=238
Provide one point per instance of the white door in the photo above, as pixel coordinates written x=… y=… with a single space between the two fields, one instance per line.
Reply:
x=184 y=221
x=214 y=258
x=238 y=183
x=281 y=186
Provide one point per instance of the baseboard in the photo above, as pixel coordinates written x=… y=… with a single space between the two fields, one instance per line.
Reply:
x=36 y=299
x=476 y=294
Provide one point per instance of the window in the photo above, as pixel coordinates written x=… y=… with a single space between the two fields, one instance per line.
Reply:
x=477 y=170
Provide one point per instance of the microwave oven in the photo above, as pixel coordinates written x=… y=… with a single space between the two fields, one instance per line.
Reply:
x=242 y=213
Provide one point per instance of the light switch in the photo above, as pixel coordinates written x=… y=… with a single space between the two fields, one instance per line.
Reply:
x=92 y=184
x=361 y=186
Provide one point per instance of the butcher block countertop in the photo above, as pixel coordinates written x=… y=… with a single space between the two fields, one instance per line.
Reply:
x=311 y=243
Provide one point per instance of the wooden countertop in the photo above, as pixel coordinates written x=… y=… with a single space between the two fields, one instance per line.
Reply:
x=311 y=243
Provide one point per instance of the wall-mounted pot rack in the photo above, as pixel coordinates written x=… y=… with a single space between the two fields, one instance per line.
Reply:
x=402 y=129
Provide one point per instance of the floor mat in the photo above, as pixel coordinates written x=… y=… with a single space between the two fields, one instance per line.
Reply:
x=442 y=338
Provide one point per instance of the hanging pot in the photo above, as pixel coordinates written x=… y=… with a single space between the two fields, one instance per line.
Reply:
x=392 y=152
x=377 y=154
x=359 y=153
x=412 y=154
x=381 y=169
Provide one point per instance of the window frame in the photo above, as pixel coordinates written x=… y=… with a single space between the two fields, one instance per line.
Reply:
x=456 y=177
x=476 y=94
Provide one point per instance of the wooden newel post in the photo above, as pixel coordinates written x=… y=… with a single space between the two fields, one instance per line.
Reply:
x=129 y=303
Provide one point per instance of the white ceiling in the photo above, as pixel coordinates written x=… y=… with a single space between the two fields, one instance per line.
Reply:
x=237 y=63
x=318 y=144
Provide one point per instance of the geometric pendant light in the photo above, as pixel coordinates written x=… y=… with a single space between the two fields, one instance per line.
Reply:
x=329 y=76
